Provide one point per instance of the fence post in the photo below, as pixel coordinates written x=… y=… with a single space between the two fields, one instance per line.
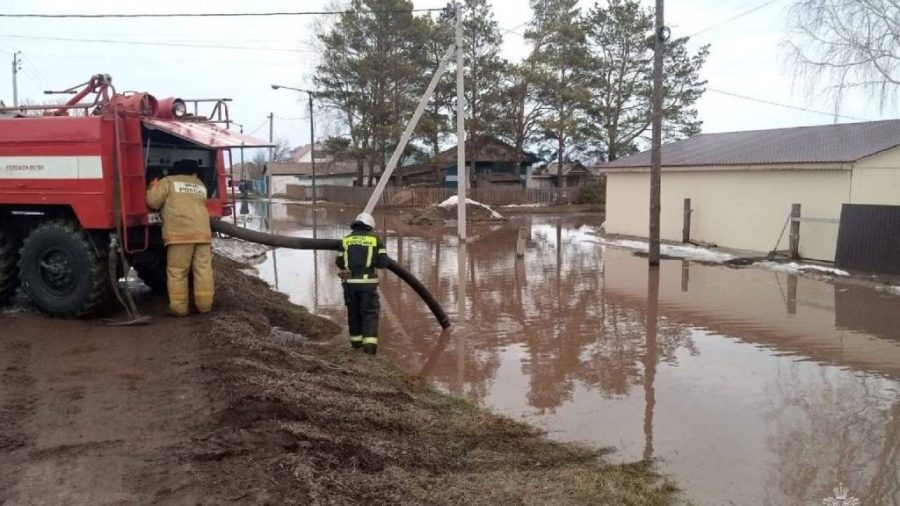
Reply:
x=795 y=232
x=520 y=243
x=686 y=231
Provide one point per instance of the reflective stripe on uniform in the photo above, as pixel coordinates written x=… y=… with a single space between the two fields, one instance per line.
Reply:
x=363 y=281
x=356 y=339
x=369 y=257
x=360 y=240
x=382 y=251
x=370 y=340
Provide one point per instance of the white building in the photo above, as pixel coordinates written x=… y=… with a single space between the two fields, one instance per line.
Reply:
x=742 y=184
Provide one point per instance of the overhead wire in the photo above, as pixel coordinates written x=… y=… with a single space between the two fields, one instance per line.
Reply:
x=260 y=126
x=786 y=106
x=733 y=18
x=144 y=43
x=211 y=14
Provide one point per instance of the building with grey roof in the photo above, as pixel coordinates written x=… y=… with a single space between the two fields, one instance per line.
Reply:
x=742 y=184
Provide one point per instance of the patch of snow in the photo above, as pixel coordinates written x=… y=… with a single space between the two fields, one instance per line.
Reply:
x=515 y=206
x=238 y=250
x=892 y=289
x=452 y=202
x=687 y=252
x=798 y=268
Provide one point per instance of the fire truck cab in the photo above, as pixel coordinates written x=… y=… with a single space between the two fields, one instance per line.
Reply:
x=73 y=180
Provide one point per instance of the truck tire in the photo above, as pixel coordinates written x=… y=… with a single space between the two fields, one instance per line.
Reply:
x=61 y=271
x=9 y=265
x=153 y=273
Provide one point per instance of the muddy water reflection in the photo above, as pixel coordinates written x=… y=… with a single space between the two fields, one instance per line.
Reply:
x=748 y=386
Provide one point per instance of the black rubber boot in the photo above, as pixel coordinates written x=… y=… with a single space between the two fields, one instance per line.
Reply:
x=356 y=344
x=371 y=349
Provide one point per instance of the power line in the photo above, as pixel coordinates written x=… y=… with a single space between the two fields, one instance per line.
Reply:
x=140 y=43
x=736 y=16
x=266 y=121
x=513 y=29
x=213 y=14
x=786 y=106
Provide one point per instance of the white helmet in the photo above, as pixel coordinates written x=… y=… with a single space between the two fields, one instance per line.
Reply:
x=365 y=219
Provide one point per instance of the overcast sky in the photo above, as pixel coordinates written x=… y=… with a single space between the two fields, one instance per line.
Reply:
x=251 y=53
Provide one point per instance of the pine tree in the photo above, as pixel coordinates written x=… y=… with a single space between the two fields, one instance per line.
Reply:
x=436 y=122
x=559 y=61
x=485 y=69
x=521 y=123
x=621 y=60
x=371 y=72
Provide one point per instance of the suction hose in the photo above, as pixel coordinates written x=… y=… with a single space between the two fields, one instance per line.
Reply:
x=281 y=241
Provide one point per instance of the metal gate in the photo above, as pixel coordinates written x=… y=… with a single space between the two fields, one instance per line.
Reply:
x=869 y=238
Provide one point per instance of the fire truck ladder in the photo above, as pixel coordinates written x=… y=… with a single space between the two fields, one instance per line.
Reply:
x=119 y=243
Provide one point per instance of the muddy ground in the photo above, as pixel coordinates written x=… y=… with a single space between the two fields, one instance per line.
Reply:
x=224 y=409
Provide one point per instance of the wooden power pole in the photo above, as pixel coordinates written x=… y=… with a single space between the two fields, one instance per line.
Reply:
x=660 y=35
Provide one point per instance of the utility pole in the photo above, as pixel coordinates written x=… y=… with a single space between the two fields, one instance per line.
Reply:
x=16 y=67
x=312 y=149
x=462 y=180
x=271 y=153
x=461 y=183
x=660 y=35
x=272 y=136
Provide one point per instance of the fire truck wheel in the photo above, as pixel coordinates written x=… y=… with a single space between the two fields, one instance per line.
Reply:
x=61 y=271
x=9 y=262
x=153 y=273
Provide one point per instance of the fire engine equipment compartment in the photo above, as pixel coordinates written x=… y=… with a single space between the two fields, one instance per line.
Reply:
x=162 y=150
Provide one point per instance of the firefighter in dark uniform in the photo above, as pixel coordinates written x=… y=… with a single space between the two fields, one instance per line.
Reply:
x=362 y=252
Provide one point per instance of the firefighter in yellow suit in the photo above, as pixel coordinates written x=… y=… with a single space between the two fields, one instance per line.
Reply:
x=186 y=232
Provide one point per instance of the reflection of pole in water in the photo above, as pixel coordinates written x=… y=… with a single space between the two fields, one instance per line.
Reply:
x=685 y=275
x=435 y=355
x=460 y=314
x=275 y=265
x=315 y=266
x=558 y=263
x=650 y=358
x=792 y=294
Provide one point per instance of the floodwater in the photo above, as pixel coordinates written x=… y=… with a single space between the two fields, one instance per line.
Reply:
x=746 y=386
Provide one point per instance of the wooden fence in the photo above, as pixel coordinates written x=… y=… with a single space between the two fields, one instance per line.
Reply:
x=427 y=196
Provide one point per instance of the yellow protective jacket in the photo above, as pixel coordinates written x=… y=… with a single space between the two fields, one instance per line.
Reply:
x=182 y=199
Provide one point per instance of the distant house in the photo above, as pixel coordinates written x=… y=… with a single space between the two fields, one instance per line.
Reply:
x=573 y=174
x=327 y=174
x=304 y=154
x=742 y=186
x=495 y=161
x=420 y=174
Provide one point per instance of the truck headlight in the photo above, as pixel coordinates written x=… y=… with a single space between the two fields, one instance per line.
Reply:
x=179 y=109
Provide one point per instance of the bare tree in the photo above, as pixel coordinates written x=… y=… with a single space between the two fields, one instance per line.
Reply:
x=847 y=44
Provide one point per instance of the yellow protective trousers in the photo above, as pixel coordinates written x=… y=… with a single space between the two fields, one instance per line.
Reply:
x=183 y=260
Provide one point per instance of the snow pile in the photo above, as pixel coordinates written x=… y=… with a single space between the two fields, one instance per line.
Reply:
x=798 y=268
x=240 y=251
x=685 y=251
x=451 y=203
x=447 y=211
x=522 y=206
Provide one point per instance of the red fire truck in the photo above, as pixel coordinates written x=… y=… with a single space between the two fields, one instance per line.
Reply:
x=72 y=183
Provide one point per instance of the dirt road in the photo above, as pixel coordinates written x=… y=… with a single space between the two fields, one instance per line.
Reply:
x=224 y=409
x=88 y=413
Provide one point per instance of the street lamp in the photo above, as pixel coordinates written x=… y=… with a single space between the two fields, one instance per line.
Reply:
x=312 y=135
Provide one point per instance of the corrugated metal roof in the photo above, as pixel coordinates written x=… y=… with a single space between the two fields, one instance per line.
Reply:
x=841 y=143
